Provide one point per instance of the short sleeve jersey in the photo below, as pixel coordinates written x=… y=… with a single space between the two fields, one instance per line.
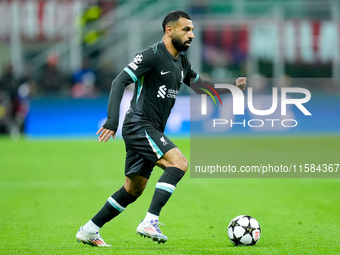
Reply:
x=158 y=77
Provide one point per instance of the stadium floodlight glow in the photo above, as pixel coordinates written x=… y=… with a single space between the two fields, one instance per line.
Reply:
x=238 y=100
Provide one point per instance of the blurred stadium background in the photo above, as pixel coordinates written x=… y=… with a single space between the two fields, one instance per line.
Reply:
x=58 y=58
x=57 y=62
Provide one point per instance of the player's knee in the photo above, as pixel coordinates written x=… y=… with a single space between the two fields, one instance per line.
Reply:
x=182 y=164
x=173 y=158
x=135 y=185
x=135 y=191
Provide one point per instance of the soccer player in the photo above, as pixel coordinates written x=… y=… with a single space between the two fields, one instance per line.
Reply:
x=158 y=73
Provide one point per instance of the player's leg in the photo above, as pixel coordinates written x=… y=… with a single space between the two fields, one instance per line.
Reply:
x=133 y=187
x=115 y=204
x=175 y=165
x=171 y=159
x=135 y=182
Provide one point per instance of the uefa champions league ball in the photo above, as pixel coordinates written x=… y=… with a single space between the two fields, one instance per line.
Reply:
x=244 y=230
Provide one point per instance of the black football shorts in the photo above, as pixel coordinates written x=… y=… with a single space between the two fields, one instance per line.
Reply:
x=144 y=146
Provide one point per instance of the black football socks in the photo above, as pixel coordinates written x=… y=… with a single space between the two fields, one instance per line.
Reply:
x=164 y=188
x=121 y=199
x=113 y=206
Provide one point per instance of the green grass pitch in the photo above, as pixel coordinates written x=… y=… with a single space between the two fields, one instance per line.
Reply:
x=50 y=188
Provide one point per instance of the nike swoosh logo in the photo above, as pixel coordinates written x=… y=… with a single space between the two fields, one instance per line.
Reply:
x=162 y=73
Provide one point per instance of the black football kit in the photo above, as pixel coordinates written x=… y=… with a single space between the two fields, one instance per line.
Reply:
x=158 y=77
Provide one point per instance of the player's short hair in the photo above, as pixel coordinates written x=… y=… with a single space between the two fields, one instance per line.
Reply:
x=173 y=16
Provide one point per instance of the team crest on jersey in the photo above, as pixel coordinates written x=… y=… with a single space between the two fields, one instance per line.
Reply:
x=162 y=139
x=138 y=58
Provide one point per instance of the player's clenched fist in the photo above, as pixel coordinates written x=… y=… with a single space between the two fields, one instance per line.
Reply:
x=241 y=82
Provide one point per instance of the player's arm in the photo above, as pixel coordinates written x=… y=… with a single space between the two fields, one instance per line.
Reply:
x=117 y=90
x=200 y=86
x=141 y=65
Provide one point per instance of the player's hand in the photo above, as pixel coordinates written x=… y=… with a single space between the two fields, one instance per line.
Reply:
x=241 y=83
x=105 y=134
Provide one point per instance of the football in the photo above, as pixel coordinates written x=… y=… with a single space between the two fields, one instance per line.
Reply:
x=244 y=230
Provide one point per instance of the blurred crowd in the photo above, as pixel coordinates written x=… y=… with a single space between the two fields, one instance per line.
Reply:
x=13 y=107
x=225 y=55
x=50 y=81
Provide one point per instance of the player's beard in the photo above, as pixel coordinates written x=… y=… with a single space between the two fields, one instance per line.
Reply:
x=179 y=45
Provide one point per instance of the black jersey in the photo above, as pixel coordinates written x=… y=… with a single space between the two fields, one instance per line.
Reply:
x=158 y=77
